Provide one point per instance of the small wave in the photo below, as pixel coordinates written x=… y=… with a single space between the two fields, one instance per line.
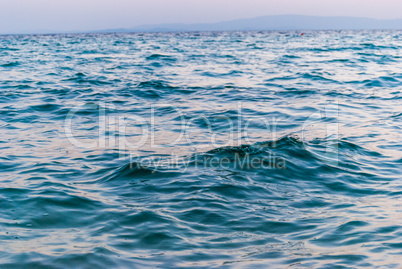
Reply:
x=145 y=169
x=8 y=49
x=155 y=84
x=11 y=64
x=81 y=78
x=162 y=57
x=223 y=74
x=46 y=107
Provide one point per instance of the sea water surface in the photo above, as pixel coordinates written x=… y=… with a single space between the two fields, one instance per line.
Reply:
x=205 y=150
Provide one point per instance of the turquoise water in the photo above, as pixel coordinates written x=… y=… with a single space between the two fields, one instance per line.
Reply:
x=205 y=150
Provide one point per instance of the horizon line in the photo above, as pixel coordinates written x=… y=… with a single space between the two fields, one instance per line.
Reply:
x=131 y=29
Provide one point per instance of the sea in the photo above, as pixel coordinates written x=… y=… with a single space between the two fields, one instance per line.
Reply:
x=258 y=149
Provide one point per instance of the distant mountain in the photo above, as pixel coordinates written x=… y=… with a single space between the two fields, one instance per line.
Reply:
x=278 y=22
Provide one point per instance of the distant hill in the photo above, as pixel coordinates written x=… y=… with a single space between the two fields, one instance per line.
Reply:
x=278 y=22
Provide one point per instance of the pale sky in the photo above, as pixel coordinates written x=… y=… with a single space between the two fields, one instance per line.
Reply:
x=69 y=15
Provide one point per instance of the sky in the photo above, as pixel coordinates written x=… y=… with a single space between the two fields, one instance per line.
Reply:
x=19 y=16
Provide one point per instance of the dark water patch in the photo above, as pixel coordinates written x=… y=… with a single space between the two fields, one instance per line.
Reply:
x=8 y=49
x=151 y=94
x=295 y=92
x=155 y=84
x=161 y=57
x=97 y=82
x=340 y=61
x=46 y=107
x=316 y=77
x=11 y=64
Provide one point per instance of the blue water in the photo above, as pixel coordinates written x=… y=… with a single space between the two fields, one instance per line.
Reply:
x=205 y=150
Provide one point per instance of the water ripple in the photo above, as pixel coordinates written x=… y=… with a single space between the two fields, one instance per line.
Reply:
x=244 y=168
